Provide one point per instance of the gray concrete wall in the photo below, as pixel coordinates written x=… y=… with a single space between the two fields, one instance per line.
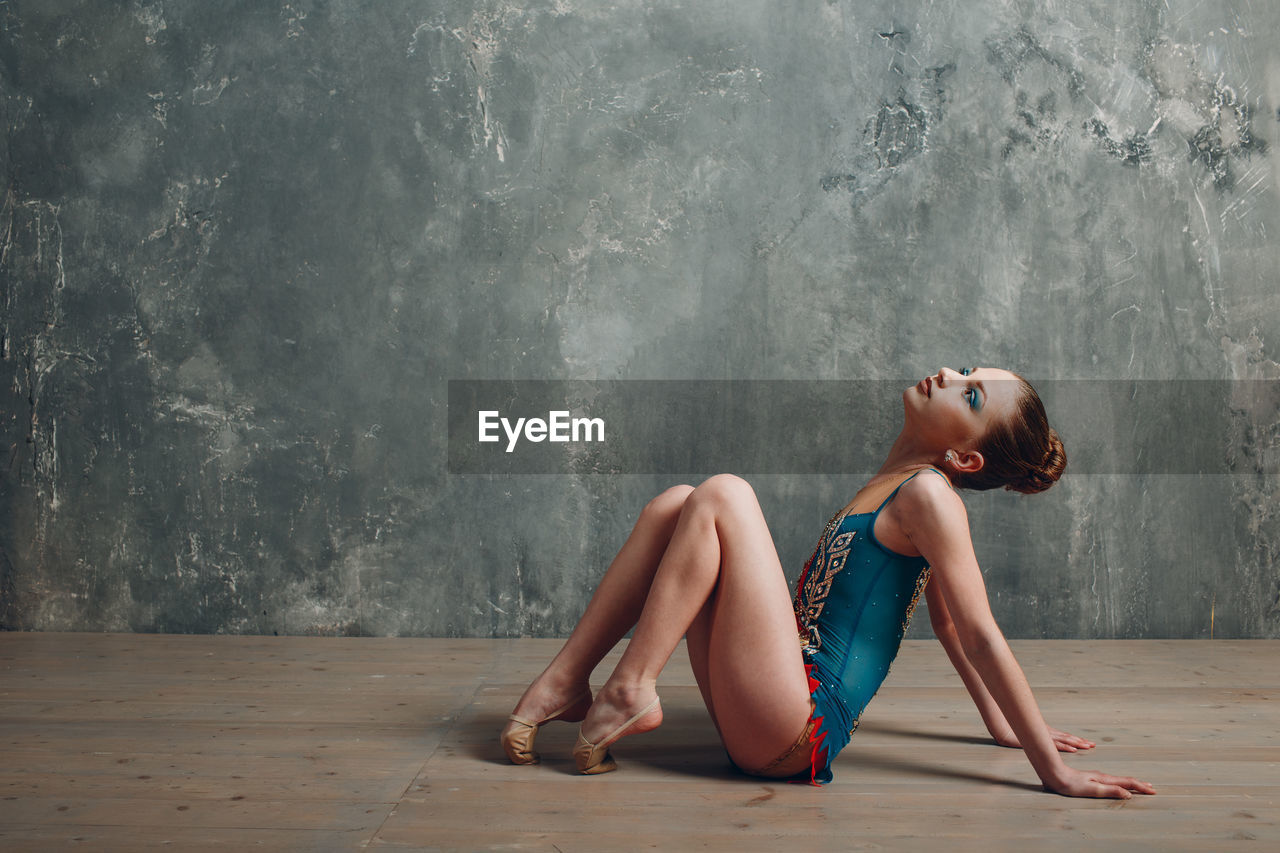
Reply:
x=247 y=245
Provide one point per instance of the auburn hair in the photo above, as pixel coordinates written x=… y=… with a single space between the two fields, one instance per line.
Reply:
x=1022 y=452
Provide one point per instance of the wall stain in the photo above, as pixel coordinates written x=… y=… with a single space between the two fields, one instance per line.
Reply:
x=836 y=182
x=1214 y=118
x=1014 y=52
x=898 y=132
x=32 y=257
x=1133 y=150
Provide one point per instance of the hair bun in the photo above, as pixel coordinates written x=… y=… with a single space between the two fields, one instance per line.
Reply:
x=1050 y=469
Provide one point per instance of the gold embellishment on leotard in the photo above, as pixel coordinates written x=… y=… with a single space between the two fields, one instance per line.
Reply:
x=921 y=582
x=827 y=561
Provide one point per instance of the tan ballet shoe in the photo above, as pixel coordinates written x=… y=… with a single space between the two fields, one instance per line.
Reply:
x=593 y=758
x=518 y=742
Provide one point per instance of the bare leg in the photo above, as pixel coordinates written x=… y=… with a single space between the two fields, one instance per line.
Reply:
x=613 y=610
x=719 y=580
x=698 y=645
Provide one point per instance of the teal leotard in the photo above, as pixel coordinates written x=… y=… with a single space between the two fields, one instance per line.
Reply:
x=853 y=603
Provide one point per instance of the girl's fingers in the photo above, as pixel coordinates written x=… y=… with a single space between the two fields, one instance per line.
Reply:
x=1070 y=743
x=1068 y=739
x=1105 y=786
x=1126 y=784
x=1139 y=786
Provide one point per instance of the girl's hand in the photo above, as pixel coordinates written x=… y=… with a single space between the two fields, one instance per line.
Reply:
x=1064 y=741
x=1085 y=783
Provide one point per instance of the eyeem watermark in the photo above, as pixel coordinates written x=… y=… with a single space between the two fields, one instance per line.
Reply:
x=558 y=426
x=686 y=427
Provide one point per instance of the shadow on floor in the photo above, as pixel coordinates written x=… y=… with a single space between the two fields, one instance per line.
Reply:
x=900 y=731
x=687 y=744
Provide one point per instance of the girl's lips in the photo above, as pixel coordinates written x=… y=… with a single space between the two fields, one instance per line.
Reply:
x=925 y=386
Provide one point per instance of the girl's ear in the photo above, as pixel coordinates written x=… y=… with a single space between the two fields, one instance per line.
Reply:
x=968 y=461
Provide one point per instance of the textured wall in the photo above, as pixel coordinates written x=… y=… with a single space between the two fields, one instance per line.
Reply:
x=247 y=245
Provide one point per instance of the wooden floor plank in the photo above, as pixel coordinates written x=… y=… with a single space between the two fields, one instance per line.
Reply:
x=43 y=838
x=126 y=742
x=234 y=811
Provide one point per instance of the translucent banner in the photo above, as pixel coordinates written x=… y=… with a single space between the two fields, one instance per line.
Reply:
x=837 y=427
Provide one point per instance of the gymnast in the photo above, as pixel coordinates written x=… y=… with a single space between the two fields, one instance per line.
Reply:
x=701 y=564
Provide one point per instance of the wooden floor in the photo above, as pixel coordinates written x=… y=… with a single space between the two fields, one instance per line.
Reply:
x=128 y=742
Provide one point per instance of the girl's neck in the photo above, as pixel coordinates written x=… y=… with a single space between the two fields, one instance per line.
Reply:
x=904 y=456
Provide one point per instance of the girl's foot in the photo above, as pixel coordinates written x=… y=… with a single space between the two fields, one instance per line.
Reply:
x=615 y=714
x=539 y=705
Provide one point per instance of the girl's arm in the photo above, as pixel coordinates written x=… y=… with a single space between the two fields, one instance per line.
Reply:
x=997 y=725
x=933 y=517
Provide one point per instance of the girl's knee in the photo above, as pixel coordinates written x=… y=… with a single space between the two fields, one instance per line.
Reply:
x=668 y=504
x=725 y=490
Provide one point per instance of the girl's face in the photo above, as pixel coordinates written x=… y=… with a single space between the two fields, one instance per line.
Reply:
x=952 y=409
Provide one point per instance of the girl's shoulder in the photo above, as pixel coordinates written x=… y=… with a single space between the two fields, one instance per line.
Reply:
x=928 y=496
x=923 y=505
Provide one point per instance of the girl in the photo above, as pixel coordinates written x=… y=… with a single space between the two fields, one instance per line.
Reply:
x=701 y=564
